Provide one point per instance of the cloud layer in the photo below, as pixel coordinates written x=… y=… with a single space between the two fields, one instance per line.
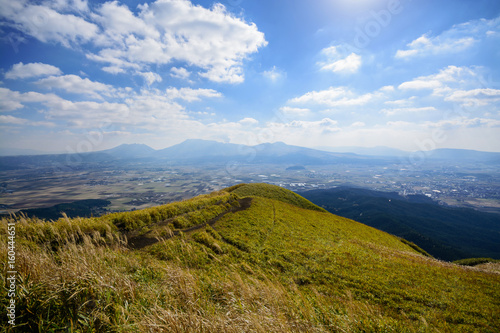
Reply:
x=166 y=31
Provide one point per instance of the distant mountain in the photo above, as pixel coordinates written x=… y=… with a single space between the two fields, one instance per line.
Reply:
x=22 y=152
x=195 y=149
x=212 y=151
x=368 y=151
x=130 y=151
x=206 y=151
x=442 y=154
x=446 y=233
x=463 y=155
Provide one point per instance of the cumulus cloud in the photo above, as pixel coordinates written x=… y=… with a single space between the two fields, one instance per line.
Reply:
x=12 y=120
x=458 y=38
x=456 y=84
x=191 y=95
x=150 y=77
x=213 y=40
x=77 y=85
x=164 y=31
x=436 y=82
x=294 y=112
x=333 y=97
x=324 y=125
x=249 y=121
x=69 y=5
x=475 y=97
x=180 y=73
x=13 y=100
x=46 y=24
x=338 y=62
x=35 y=69
x=418 y=84
x=23 y=122
x=395 y=111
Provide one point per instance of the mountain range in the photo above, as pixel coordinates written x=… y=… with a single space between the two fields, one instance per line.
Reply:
x=204 y=151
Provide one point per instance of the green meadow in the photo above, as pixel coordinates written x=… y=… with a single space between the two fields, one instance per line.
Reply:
x=250 y=258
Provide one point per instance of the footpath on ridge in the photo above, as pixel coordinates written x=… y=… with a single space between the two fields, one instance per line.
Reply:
x=141 y=241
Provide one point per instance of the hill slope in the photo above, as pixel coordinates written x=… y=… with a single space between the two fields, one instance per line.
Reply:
x=238 y=260
x=446 y=233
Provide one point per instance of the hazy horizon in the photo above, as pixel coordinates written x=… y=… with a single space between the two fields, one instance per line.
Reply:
x=370 y=150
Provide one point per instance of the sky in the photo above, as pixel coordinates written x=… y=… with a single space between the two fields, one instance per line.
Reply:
x=79 y=76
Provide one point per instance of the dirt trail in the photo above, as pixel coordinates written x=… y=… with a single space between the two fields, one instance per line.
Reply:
x=139 y=242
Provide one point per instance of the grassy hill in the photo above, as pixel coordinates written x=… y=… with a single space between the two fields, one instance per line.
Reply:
x=251 y=258
x=446 y=233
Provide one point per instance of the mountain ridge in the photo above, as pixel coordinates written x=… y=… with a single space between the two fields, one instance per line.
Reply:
x=200 y=151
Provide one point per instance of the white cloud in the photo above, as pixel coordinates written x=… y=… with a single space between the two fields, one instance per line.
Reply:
x=395 y=111
x=294 y=112
x=12 y=120
x=36 y=69
x=248 y=121
x=150 y=111
x=461 y=85
x=401 y=102
x=458 y=38
x=420 y=84
x=69 y=5
x=387 y=89
x=439 y=81
x=13 y=100
x=475 y=97
x=42 y=123
x=77 y=85
x=118 y=22
x=10 y=100
x=274 y=74
x=297 y=132
x=462 y=123
x=334 y=97
x=21 y=121
x=113 y=69
x=151 y=77
x=338 y=62
x=320 y=126
x=46 y=24
x=180 y=73
x=213 y=40
x=191 y=95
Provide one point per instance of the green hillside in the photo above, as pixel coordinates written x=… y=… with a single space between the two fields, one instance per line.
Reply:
x=253 y=258
x=273 y=192
x=445 y=232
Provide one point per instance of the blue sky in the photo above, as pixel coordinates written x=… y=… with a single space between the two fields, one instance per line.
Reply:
x=79 y=76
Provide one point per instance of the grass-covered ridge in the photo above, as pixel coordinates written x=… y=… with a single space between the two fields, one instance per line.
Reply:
x=246 y=263
x=273 y=192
